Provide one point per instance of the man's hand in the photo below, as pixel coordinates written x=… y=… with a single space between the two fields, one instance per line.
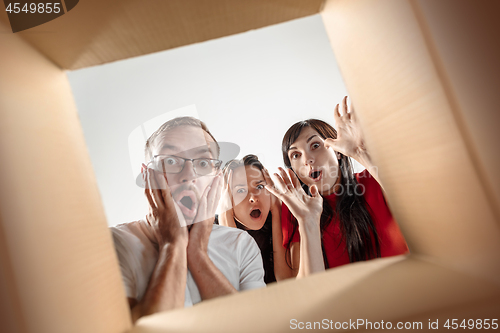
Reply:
x=167 y=283
x=226 y=213
x=209 y=279
x=202 y=227
x=165 y=218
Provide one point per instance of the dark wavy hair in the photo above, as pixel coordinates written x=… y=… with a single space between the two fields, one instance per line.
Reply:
x=247 y=160
x=352 y=212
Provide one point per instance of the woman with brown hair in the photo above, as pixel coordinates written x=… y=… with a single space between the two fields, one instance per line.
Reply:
x=332 y=216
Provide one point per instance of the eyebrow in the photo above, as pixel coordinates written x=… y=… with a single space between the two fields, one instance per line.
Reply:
x=202 y=150
x=310 y=138
x=199 y=150
x=170 y=147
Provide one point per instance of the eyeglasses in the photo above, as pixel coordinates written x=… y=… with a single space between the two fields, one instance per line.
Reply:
x=175 y=164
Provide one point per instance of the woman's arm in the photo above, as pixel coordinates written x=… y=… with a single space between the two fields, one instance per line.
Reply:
x=307 y=210
x=281 y=269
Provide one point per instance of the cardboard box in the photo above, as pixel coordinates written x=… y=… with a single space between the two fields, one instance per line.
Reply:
x=428 y=69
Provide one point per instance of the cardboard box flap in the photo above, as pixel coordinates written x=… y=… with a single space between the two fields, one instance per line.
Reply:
x=100 y=31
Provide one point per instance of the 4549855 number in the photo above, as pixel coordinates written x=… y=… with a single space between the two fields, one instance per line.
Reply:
x=34 y=8
x=472 y=324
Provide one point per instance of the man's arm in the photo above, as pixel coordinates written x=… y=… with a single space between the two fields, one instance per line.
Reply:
x=209 y=279
x=166 y=287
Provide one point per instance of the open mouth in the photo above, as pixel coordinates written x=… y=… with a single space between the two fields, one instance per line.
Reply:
x=315 y=175
x=255 y=213
x=187 y=202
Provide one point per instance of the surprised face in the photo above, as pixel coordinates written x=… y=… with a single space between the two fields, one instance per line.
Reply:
x=313 y=162
x=251 y=201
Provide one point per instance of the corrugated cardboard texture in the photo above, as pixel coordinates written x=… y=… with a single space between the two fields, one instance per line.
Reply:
x=58 y=271
x=101 y=31
x=388 y=289
x=400 y=69
x=467 y=51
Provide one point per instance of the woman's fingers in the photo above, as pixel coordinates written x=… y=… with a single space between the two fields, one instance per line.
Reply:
x=270 y=184
x=267 y=178
x=337 y=116
x=281 y=184
x=314 y=191
x=286 y=179
x=342 y=116
x=294 y=179
x=345 y=112
x=272 y=190
x=329 y=142
x=333 y=144
x=352 y=114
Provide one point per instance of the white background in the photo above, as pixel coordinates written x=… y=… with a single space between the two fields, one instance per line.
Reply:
x=248 y=88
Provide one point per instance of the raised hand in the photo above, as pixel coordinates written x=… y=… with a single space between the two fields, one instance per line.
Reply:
x=226 y=214
x=307 y=209
x=209 y=279
x=165 y=217
x=350 y=140
x=202 y=226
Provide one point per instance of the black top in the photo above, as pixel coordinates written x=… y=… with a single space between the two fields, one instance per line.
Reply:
x=264 y=239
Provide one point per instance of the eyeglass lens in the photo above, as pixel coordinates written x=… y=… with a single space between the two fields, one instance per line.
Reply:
x=174 y=164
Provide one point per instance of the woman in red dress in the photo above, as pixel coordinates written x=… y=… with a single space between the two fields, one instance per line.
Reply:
x=330 y=215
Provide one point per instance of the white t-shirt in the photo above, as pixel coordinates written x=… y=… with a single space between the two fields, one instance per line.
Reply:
x=233 y=251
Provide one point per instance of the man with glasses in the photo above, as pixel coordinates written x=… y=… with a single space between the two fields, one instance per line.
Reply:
x=177 y=256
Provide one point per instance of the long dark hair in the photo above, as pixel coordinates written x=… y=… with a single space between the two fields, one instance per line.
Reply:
x=352 y=212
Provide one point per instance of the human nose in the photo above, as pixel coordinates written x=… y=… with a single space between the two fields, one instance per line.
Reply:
x=187 y=173
x=253 y=197
x=308 y=159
